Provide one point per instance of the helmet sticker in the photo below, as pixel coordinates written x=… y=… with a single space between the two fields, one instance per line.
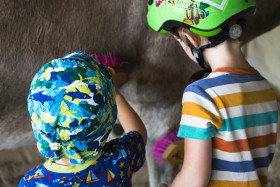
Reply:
x=203 y=7
x=173 y=2
x=220 y=4
x=203 y=17
x=193 y=15
x=158 y=2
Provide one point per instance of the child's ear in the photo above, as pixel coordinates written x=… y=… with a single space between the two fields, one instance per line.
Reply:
x=191 y=39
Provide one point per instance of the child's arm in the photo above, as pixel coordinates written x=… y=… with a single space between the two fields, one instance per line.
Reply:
x=196 y=169
x=128 y=118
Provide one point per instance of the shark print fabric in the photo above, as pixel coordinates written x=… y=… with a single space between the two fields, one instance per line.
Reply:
x=117 y=162
x=72 y=107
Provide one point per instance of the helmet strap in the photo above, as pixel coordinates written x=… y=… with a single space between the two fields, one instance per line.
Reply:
x=214 y=41
x=198 y=53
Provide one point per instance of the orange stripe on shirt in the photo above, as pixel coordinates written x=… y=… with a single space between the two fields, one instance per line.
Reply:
x=196 y=110
x=244 y=145
x=244 y=98
x=240 y=71
x=216 y=183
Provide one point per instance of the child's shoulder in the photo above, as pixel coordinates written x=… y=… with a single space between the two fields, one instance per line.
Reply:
x=221 y=78
x=127 y=151
x=201 y=84
x=127 y=141
x=201 y=87
x=125 y=148
x=36 y=172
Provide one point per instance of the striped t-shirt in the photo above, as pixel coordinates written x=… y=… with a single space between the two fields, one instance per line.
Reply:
x=238 y=109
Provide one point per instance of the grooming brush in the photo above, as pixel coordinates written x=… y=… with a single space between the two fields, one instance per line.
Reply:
x=169 y=148
x=110 y=60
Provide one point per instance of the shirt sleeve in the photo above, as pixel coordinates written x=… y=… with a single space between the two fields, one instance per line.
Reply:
x=23 y=183
x=131 y=146
x=200 y=117
x=135 y=149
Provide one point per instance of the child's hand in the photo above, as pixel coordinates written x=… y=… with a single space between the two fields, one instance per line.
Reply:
x=113 y=73
x=114 y=77
x=119 y=77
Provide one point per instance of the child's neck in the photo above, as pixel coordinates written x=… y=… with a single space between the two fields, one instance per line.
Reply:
x=64 y=162
x=227 y=54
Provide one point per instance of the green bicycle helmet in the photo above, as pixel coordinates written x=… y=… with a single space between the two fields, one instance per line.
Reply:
x=203 y=17
x=209 y=18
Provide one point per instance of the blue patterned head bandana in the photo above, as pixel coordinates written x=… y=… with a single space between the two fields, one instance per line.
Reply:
x=72 y=107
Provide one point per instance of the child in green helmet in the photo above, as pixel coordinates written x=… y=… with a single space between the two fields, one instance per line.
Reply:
x=73 y=106
x=229 y=119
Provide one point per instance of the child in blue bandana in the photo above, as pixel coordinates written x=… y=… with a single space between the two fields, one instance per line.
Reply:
x=73 y=106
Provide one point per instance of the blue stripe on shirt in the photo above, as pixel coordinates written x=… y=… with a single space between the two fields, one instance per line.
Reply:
x=244 y=166
x=225 y=80
x=200 y=86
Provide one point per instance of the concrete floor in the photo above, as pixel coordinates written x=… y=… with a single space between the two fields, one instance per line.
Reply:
x=15 y=163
